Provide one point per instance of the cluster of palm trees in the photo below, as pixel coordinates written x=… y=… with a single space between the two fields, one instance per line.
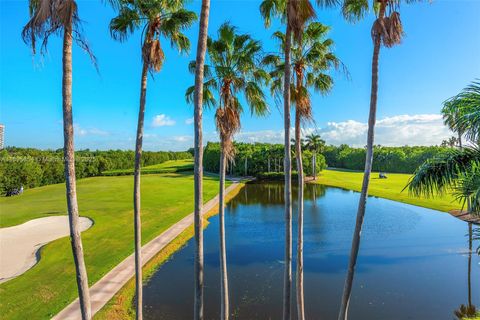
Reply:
x=233 y=66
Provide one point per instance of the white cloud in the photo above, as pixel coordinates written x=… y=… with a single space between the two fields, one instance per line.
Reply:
x=78 y=130
x=189 y=120
x=421 y=129
x=162 y=120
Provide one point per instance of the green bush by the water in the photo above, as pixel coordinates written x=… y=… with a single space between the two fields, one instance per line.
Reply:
x=31 y=168
x=252 y=159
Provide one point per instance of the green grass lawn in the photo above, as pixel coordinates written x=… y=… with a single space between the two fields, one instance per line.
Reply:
x=390 y=188
x=49 y=286
x=165 y=167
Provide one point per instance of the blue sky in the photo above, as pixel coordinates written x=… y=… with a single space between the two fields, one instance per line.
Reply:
x=438 y=57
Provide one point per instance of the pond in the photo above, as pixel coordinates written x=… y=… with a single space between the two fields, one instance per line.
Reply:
x=413 y=262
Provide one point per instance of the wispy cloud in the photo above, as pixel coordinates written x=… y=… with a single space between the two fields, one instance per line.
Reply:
x=162 y=120
x=89 y=131
x=189 y=120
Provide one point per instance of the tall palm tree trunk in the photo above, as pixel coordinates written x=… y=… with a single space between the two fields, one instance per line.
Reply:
x=460 y=140
x=70 y=180
x=299 y=276
x=314 y=170
x=136 y=195
x=469 y=264
x=224 y=315
x=347 y=290
x=198 y=158
x=287 y=281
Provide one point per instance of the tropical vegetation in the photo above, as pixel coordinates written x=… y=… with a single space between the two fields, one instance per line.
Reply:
x=157 y=19
x=457 y=169
x=255 y=159
x=61 y=17
x=232 y=69
x=387 y=31
x=228 y=70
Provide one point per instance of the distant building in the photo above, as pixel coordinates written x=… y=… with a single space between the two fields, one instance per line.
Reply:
x=2 y=132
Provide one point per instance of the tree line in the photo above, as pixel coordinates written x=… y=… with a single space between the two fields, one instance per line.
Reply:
x=404 y=159
x=30 y=168
x=257 y=159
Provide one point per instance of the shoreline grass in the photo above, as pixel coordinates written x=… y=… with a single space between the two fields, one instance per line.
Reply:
x=49 y=286
x=390 y=188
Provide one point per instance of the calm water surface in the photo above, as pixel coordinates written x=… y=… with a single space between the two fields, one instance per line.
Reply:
x=413 y=262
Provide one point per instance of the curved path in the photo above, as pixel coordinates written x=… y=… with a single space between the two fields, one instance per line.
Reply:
x=104 y=290
x=19 y=244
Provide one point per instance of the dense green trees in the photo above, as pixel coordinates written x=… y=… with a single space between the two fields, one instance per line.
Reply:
x=33 y=168
x=389 y=159
x=257 y=158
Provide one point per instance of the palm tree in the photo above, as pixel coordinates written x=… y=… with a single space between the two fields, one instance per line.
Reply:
x=295 y=13
x=468 y=104
x=53 y=17
x=387 y=30
x=198 y=159
x=457 y=170
x=450 y=117
x=312 y=59
x=157 y=19
x=316 y=145
x=233 y=69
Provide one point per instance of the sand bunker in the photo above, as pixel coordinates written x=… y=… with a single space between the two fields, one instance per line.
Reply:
x=19 y=244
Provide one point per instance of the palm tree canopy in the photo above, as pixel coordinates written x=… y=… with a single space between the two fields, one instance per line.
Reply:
x=48 y=17
x=312 y=61
x=156 y=19
x=461 y=113
x=233 y=68
x=314 y=142
x=387 y=28
x=300 y=12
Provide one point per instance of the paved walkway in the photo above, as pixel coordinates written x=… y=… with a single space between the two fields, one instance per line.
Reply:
x=104 y=290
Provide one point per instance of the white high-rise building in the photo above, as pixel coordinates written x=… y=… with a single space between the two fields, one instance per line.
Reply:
x=2 y=131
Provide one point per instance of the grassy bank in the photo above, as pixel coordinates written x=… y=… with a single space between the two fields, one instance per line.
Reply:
x=121 y=306
x=390 y=188
x=170 y=166
x=48 y=287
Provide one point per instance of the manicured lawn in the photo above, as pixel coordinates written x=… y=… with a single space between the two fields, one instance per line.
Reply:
x=390 y=188
x=49 y=286
x=165 y=167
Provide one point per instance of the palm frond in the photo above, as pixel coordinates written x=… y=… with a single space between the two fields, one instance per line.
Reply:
x=271 y=9
x=355 y=10
x=437 y=175
x=124 y=24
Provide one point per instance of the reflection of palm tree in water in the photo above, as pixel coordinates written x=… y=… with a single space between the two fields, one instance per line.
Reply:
x=469 y=310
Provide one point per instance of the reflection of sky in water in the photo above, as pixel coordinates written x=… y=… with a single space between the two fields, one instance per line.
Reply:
x=412 y=263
